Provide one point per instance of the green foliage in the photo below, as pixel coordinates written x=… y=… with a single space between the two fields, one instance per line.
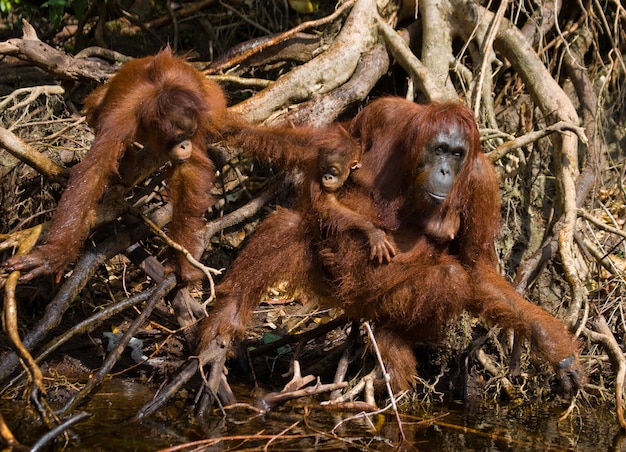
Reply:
x=7 y=5
x=56 y=9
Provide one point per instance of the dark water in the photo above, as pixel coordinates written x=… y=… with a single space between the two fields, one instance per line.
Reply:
x=298 y=426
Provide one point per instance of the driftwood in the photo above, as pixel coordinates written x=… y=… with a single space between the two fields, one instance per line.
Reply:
x=57 y=63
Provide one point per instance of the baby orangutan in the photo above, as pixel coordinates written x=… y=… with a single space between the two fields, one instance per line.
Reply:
x=327 y=156
x=334 y=167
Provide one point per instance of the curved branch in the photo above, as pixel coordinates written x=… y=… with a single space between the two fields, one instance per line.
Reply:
x=327 y=71
x=30 y=48
x=437 y=44
x=21 y=150
x=556 y=106
x=403 y=54
x=323 y=110
x=531 y=137
x=237 y=54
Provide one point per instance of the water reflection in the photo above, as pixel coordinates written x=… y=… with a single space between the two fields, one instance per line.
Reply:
x=307 y=426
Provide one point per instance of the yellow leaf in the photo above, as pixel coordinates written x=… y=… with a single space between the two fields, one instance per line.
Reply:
x=304 y=6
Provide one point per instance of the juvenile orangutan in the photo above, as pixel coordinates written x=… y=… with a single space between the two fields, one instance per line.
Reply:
x=172 y=111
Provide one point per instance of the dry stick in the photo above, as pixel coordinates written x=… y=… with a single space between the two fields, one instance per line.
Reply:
x=275 y=39
x=111 y=56
x=9 y=322
x=604 y=336
x=407 y=59
x=208 y=271
x=243 y=213
x=85 y=326
x=242 y=82
x=602 y=257
x=386 y=376
x=531 y=137
x=45 y=439
x=485 y=51
x=163 y=288
x=60 y=65
x=276 y=398
x=600 y=224
x=53 y=136
x=353 y=392
x=297 y=381
x=61 y=302
x=21 y=150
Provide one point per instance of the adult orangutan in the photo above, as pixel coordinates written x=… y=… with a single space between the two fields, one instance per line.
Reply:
x=436 y=195
x=171 y=110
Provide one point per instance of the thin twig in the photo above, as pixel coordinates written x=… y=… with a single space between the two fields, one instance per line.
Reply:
x=604 y=336
x=531 y=137
x=602 y=225
x=386 y=377
x=275 y=39
x=21 y=150
x=9 y=322
x=208 y=271
x=486 y=52
x=52 y=434
x=163 y=288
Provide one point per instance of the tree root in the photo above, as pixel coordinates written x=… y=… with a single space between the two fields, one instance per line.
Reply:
x=602 y=334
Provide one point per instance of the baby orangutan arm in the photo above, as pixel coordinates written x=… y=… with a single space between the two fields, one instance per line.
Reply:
x=340 y=218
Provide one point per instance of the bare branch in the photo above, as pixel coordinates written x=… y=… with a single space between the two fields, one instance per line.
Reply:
x=322 y=74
